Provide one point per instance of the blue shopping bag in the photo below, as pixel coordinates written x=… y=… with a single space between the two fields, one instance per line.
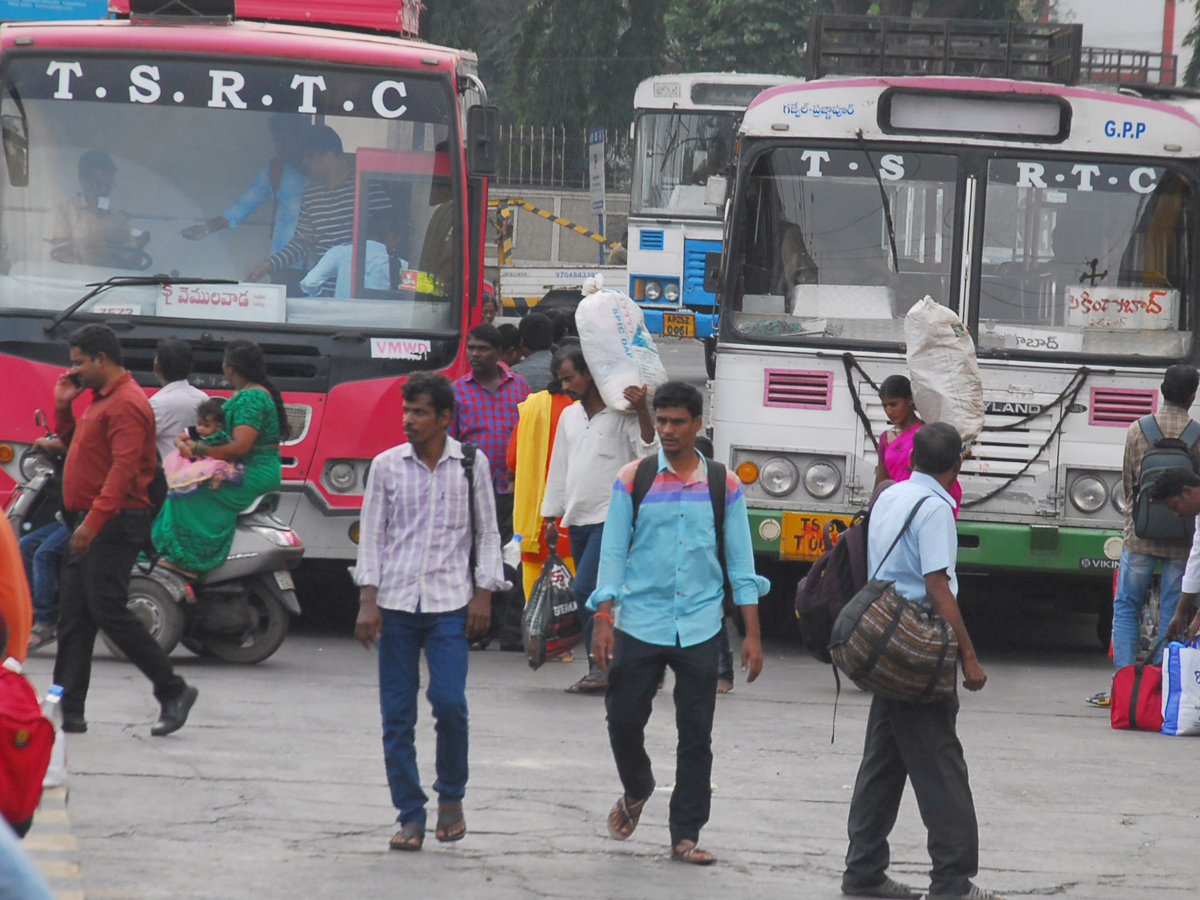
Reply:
x=1181 y=688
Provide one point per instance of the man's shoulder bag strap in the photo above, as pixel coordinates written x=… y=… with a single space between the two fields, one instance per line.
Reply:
x=468 y=463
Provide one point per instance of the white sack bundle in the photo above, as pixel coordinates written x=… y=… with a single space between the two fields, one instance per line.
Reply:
x=943 y=368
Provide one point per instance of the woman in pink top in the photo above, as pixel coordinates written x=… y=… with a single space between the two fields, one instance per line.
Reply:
x=895 y=445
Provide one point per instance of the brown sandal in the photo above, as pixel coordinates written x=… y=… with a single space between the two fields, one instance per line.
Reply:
x=688 y=852
x=450 y=815
x=410 y=837
x=625 y=815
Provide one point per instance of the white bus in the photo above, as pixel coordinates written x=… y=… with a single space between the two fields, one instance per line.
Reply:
x=685 y=130
x=1060 y=222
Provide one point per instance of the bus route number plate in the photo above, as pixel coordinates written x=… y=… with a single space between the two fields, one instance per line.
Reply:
x=803 y=534
x=679 y=325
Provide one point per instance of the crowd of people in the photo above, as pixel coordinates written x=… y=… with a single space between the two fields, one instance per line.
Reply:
x=655 y=532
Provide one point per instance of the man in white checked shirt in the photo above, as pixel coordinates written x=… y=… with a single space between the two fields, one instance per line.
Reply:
x=417 y=590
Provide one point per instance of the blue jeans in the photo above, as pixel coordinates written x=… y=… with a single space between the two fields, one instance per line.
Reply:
x=446 y=651
x=42 y=550
x=1133 y=579
x=585 y=550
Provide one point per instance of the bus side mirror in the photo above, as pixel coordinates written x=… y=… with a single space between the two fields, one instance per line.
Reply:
x=714 y=190
x=712 y=272
x=483 y=141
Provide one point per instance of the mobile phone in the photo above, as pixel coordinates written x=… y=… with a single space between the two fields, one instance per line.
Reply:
x=193 y=433
x=75 y=379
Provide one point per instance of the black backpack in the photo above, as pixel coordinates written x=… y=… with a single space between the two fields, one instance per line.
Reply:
x=644 y=478
x=1151 y=520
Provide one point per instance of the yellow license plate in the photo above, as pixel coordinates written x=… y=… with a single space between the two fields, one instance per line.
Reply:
x=804 y=534
x=679 y=325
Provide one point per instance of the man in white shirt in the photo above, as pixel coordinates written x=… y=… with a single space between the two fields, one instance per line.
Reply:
x=175 y=402
x=428 y=562
x=591 y=446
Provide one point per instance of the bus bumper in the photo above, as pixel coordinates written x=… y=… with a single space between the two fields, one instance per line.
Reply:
x=680 y=323
x=982 y=546
x=325 y=533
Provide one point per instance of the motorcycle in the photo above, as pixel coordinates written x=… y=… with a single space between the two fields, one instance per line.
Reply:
x=237 y=612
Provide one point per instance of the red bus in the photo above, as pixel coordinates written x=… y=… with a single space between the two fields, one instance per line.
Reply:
x=124 y=138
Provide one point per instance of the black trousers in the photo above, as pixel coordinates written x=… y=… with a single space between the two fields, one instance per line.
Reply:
x=634 y=674
x=93 y=591
x=917 y=742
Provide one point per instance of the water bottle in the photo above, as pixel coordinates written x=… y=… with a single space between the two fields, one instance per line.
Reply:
x=56 y=774
x=512 y=552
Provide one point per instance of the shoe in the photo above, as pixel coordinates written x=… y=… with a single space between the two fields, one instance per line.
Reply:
x=74 y=724
x=41 y=636
x=888 y=888
x=974 y=893
x=1101 y=699
x=175 y=712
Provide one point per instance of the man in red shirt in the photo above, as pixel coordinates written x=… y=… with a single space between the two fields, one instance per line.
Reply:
x=110 y=464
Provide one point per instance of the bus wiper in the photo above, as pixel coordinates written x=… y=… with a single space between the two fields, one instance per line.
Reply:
x=887 y=207
x=99 y=287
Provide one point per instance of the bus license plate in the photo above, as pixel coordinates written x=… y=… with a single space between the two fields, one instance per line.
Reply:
x=679 y=325
x=803 y=534
x=283 y=580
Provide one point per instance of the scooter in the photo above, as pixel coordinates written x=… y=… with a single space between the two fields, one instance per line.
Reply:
x=237 y=612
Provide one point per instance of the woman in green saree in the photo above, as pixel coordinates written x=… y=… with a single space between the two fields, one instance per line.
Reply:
x=193 y=532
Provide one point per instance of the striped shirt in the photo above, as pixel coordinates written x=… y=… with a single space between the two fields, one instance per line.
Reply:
x=326 y=220
x=664 y=575
x=415 y=534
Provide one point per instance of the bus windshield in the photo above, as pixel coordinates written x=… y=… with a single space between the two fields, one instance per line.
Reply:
x=676 y=152
x=326 y=195
x=813 y=247
x=1084 y=256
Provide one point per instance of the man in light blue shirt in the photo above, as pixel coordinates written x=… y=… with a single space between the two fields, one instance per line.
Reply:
x=282 y=179
x=918 y=742
x=661 y=580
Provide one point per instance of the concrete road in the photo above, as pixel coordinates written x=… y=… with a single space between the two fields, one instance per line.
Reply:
x=276 y=788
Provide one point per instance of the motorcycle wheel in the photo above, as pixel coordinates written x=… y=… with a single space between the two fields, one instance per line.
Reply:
x=263 y=639
x=157 y=610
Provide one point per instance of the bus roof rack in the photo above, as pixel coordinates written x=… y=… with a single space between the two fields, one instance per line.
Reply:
x=894 y=46
x=1159 y=91
x=181 y=9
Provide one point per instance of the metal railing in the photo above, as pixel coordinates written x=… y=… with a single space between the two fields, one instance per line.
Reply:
x=1109 y=65
x=557 y=156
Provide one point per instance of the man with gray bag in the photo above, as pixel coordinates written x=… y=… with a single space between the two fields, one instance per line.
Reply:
x=911 y=740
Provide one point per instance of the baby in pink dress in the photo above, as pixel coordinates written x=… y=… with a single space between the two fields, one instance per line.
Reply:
x=185 y=476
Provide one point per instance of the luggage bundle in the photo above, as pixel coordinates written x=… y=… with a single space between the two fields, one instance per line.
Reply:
x=551 y=624
x=619 y=349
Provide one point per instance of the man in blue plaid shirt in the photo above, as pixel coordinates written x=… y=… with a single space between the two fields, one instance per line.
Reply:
x=485 y=414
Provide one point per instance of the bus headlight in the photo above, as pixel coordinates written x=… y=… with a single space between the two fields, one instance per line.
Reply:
x=671 y=291
x=341 y=476
x=822 y=479
x=1119 y=501
x=1088 y=493
x=653 y=290
x=778 y=476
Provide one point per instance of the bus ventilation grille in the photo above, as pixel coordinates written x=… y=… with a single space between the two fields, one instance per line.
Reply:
x=650 y=239
x=798 y=389
x=299 y=416
x=1120 y=406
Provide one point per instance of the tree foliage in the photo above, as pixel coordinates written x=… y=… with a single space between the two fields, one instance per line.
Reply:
x=740 y=35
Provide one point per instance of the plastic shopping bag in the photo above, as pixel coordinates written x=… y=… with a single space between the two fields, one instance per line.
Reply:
x=618 y=347
x=1181 y=688
x=943 y=368
x=551 y=625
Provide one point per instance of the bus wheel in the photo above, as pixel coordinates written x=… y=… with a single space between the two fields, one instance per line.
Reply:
x=710 y=356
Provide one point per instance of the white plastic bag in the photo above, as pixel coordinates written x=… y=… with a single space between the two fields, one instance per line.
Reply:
x=943 y=369
x=1181 y=689
x=618 y=347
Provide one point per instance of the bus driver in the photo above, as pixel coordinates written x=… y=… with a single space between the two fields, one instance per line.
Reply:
x=87 y=231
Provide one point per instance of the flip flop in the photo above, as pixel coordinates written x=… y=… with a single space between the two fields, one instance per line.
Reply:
x=410 y=837
x=625 y=815
x=41 y=636
x=691 y=854
x=450 y=814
